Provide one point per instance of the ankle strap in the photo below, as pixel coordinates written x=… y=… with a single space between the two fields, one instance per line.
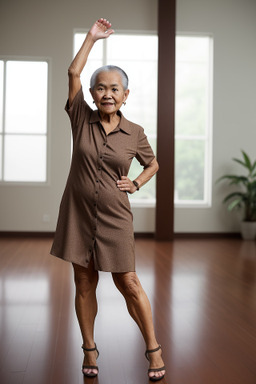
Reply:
x=90 y=349
x=152 y=351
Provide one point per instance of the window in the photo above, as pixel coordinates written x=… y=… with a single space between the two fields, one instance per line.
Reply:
x=23 y=120
x=193 y=116
x=137 y=55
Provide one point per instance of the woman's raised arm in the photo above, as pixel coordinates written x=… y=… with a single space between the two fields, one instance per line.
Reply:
x=100 y=30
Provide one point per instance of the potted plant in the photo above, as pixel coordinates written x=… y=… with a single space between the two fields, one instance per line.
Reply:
x=244 y=198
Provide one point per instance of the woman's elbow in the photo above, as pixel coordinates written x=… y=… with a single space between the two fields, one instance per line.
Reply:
x=155 y=166
x=72 y=72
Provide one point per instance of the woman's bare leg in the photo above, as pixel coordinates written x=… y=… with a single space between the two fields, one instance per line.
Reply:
x=140 y=310
x=86 y=280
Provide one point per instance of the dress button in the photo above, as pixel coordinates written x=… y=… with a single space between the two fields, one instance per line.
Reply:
x=101 y=157
x=97 y=181
x=99 y=169
x=104 y=143
x=96 y=192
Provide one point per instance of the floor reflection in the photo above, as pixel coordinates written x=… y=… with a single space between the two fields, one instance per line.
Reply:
x=247 y=254
x=18 y=291
x=163 y=271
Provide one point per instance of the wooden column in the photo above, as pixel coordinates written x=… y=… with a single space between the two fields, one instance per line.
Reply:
x=165 y=121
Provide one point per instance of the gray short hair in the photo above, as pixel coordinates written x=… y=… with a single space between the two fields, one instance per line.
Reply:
x=108 y=68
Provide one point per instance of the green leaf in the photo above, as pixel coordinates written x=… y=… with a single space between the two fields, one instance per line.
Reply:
x=253 y=166
x=252 y=185
x=240 y=162
x=246 y=163
x=234 y=179
x=247 y=160
x=235 y=194
x=234 y=204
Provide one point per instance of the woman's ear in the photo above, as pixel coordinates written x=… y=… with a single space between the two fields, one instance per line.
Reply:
x=91 y=92
x=126 y=94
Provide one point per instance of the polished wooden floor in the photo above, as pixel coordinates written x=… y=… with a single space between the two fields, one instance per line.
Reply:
x=203 y=296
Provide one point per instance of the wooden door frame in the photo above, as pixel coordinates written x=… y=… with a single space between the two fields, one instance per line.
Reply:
x=165 y=120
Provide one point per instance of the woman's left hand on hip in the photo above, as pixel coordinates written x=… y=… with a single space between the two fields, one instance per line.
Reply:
x=126 y=185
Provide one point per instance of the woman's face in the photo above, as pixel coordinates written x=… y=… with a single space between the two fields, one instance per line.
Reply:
x=108 y=92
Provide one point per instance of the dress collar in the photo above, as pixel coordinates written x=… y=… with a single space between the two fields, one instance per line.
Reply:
x=123 y=125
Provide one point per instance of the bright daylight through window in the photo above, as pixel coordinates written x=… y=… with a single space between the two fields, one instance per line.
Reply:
x=23 y=120
x=137 y=55
x=193 y=122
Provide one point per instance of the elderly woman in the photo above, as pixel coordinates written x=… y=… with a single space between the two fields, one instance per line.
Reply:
x=94 y=230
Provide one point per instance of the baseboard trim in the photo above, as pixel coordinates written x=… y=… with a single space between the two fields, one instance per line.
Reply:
x=25 y=234
x=144 y=235
x=210 y=235
x=137 y=235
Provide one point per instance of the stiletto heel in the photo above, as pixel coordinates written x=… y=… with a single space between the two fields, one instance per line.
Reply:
x=90 y=366
x=154 y=378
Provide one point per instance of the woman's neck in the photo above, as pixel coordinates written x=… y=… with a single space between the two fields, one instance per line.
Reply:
x=109 y=122
x=110 y=119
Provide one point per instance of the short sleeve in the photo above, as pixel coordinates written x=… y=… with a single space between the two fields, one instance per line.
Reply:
x=144 y=154
x=79 y=111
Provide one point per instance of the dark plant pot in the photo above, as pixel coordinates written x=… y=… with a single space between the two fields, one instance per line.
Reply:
x=248 y=230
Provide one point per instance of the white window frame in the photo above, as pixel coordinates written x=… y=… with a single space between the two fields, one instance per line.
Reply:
x=3 y=133
x=207 y=138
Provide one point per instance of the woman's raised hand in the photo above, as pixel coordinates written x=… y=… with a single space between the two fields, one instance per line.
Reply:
x=101 y=29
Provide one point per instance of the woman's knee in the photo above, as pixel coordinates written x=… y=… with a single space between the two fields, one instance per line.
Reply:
x=128 y=284
x=85 y=279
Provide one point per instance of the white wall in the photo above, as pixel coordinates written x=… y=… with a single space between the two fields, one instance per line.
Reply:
x=45 y=28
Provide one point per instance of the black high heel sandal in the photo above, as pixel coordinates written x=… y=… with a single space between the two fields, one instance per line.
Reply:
x=154 y=378
x=90 y=366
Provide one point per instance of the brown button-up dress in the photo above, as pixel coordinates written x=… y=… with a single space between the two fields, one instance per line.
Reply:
x=95 y=219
